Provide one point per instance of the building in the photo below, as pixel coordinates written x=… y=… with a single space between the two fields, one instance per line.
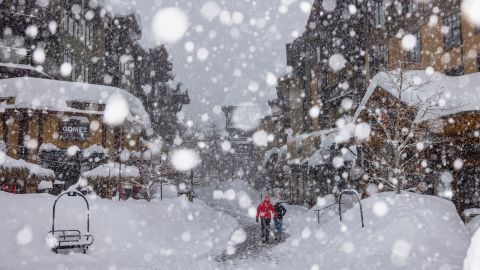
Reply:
x=63 y=125
x=241 y=122
x=446 y=43
x=333 y=63
x=328 y=61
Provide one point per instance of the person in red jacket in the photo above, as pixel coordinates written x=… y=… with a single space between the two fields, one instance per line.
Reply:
x=265 y=211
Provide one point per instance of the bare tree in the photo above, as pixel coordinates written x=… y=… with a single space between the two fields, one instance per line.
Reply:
x=397 y=119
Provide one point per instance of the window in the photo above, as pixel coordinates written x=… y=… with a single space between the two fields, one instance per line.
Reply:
x=456 y=71
x=68 y=22
x=379 y=14
x=65 y=20
x=83 y=73
x=379 y=59
x=127 y=66
x=70 y=25
x=415 y=55
x=88 y=34
x=412 y=6
x=5 y=125
x=319 y=54
x=68 y=58
x=453 y=31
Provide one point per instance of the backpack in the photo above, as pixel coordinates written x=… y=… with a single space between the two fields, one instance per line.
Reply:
x=280 y=210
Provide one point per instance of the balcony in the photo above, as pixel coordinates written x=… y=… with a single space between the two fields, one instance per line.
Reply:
x=15 y=55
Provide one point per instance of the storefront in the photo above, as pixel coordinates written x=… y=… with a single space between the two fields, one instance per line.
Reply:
x=61 y=125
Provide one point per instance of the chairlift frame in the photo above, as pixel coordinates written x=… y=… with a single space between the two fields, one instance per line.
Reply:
x=350 y=192
x=71 y=239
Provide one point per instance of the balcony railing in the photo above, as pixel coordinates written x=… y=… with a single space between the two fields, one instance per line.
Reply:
x=42 y=15
x=15 y=55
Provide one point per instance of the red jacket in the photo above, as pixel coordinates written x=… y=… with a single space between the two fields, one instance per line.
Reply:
x=265 y=209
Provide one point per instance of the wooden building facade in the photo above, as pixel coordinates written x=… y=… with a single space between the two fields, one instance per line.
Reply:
x=54 y=124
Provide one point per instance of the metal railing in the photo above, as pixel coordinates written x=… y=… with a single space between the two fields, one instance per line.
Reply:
x=322 y=211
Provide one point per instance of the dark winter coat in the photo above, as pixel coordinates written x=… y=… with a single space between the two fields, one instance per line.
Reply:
x=280 y=210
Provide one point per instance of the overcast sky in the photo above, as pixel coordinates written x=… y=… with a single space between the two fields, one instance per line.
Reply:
x=245 y=40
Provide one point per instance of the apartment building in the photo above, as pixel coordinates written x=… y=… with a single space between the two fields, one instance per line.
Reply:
x=366 y=38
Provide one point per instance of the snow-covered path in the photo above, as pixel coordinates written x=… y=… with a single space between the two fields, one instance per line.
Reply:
x=252 y=248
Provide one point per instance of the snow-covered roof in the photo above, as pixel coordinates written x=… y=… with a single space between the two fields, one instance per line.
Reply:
x=33 y=169
x=298 y=138
x=350 y=154
x=274 y=150
x=47 y=147
x=319 y=157
x=452 y=94
x=338 y=135
x=472 y=212
x=25 y=67
x=44 y=94
x=113 y=170
x=94 y=149
x=45 y=185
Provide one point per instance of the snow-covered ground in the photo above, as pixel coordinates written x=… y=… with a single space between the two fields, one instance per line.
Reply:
x=236 y=198
x=407 y=231
x=173 y=234
x=473 y=225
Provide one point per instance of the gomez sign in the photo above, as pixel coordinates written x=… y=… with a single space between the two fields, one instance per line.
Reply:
x=74 y=130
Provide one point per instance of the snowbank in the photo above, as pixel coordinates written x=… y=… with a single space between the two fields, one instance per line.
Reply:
x=473 y=225
x=409 y=231
x=112 y=170
x=472 y=261
x=173 y=234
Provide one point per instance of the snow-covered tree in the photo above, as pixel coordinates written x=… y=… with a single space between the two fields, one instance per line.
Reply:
x=392 y=123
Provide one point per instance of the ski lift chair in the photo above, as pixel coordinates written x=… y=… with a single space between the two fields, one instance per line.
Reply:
x=72 y=238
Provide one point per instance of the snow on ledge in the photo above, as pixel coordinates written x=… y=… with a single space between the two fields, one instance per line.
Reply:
x=33 y=169
x=94 y=149
x=47 y=147
x=113 y=170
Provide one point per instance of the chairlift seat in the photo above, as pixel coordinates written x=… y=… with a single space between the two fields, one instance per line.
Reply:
x=70 y=239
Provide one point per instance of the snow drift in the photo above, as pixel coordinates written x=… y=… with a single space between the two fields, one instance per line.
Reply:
x=173 y=234
x=408 y=231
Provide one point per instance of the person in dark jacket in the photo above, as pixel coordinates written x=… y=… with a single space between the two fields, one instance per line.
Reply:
x=278 y=219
